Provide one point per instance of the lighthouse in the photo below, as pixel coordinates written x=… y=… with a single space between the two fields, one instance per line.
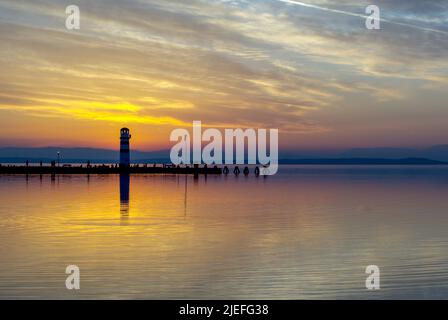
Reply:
x=125 y=158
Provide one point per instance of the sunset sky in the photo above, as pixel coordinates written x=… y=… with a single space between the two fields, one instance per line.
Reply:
x=310 y=69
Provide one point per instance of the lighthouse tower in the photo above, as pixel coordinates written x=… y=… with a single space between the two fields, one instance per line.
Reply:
x=125 y=158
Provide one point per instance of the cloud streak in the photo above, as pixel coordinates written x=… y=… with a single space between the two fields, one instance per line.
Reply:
x=363 y=16
x=154 y=65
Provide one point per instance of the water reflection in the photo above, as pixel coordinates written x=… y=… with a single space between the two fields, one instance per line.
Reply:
x=308 y=232
x=124 y=198
x=185 y=197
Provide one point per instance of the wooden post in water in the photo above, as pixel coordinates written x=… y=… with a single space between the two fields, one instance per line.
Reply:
x=196 y=171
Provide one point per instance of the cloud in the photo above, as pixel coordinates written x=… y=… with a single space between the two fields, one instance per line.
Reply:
x=227 y=63
x=363 y=16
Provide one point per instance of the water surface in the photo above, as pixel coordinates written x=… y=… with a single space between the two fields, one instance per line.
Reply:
x=308 y=232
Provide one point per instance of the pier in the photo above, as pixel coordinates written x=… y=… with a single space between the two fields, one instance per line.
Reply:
x=108 y=169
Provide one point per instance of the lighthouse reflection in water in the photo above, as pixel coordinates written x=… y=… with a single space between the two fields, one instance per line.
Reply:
x=307 y=232
x=124 y=198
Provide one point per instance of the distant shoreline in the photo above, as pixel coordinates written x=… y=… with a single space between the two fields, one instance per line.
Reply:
x=317 y=161
x=364 y=161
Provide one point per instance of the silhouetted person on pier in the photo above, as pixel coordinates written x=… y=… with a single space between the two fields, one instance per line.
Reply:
x=257 y=171
x=27 y=163
x=40 y=163
x=225 y=170
x=236 y=171
x=88 y=163
x=246 y=171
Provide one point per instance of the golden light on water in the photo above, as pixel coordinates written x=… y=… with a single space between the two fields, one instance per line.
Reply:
x=174 y=237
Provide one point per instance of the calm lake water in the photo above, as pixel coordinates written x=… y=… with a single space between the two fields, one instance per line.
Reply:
x=307 y=233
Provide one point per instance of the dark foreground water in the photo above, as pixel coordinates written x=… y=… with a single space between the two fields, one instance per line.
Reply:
x=308 y=232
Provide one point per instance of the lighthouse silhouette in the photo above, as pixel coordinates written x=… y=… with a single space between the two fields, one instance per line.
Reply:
x=125 y=159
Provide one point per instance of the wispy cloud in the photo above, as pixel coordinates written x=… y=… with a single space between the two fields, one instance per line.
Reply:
x=154 y=65
x=363 y=16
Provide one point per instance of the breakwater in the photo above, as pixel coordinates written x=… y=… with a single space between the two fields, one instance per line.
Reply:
x=108 y=169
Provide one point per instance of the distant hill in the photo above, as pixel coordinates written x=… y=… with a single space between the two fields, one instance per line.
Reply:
x=439 y=152
x=365 y=161
x=432 y=155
